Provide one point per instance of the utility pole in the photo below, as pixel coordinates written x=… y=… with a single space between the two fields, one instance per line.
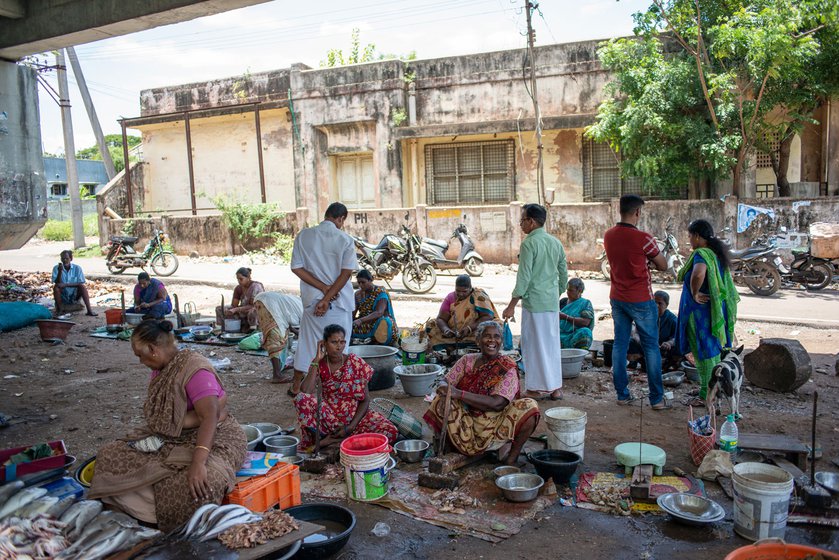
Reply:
x=69 y=151
x=531 y=56
x=91 y=112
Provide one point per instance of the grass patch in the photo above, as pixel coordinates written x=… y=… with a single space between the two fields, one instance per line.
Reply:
x=55 y=230
x=92 y=251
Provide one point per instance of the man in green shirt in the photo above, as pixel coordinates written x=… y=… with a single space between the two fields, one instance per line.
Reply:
x=542 y=277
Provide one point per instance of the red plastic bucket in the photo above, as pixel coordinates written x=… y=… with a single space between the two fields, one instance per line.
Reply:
x=113 y=316
x=365 y=444
x=777 y=549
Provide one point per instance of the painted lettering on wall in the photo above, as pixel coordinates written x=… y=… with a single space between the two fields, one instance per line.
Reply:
x=447 y=213
x=360 y=218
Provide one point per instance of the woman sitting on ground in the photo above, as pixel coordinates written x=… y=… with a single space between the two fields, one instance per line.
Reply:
x=342 y=381
x=150 y=297
x=241 y=307
x=486 y=413
x=576 y=317
x=374 y=318
x=461 y=312
x=189 y=451
x=279 y=315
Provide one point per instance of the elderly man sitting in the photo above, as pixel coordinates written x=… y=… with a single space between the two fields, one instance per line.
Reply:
x=69 y=285
x=486 y=413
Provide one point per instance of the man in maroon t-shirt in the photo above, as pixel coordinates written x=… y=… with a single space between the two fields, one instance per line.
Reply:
x=630 y=252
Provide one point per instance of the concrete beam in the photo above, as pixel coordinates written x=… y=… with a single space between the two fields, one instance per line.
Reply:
x=12 y=9
x=49 y=25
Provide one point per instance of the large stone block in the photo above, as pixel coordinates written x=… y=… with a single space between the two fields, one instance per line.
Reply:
x=778 y=364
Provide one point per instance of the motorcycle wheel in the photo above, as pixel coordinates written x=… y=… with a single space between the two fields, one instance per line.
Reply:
x=765 y=279
x=114 y=269
x=606 y=269
x=164 y=264
x=419 y=279
x=474 y=266
x=678 y=263
x=818 y=276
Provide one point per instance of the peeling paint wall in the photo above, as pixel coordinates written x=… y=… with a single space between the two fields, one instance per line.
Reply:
x=23 y=188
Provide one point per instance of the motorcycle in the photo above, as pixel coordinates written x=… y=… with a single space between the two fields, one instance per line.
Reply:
x=756 y=267
x=434 y=250
x=396 y=254
x=122 y=255
x=668 y=246
x=813 y=273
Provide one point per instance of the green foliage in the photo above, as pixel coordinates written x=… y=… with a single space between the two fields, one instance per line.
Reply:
x=335 y=57
x=128 y=227
x=92 y=251
x=705 y=81
x=398 y=116
x=283 y=244
x=242 y=86
x=62 y=230
x=114 y=144
x=248 y=222
x=412 y=55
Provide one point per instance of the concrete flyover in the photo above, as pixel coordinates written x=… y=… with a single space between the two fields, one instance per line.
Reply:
x=36 y=26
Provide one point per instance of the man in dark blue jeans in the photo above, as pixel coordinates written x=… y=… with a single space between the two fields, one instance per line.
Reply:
x=630 y=252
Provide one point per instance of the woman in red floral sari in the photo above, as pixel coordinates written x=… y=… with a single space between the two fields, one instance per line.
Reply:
x=344 y=398
x=485 y=412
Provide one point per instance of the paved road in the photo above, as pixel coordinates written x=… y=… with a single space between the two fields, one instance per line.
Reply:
x=792 y=306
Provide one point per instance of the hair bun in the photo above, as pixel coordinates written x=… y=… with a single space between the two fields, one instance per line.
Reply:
x=166 y=326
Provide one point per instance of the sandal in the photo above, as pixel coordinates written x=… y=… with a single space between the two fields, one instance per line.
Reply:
x=661 y=406
x=695 y=401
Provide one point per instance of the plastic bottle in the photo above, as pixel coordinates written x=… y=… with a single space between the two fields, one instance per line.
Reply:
x=729 y=435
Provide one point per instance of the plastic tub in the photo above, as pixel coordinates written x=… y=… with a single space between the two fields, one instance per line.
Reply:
x=572 y=362
x=776 y=549
x=418 y=379
x=113 y=316
x=761 y=500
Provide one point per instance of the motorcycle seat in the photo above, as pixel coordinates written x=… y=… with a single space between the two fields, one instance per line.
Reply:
x=438 y=242
x=123 y=239
x=748 y=252
x=366 y=244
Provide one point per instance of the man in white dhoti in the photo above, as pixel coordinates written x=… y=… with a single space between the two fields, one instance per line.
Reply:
x=324 y=259
x=541 y=278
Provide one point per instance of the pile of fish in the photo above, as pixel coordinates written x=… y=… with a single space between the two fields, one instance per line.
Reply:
x=211 y=520
x=97 y=534
x=274 y=524
x=40 y=537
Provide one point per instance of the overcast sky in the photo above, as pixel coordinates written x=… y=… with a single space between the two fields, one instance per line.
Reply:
x=278 y=33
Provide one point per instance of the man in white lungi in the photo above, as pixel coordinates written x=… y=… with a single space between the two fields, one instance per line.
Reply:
x=324 y=259
x=541 y=278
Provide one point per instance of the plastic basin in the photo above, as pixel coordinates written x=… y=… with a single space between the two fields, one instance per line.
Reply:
x=572 y=362
x=417 y=380
x=339 y=522
x=53 y=329
x=557 y=464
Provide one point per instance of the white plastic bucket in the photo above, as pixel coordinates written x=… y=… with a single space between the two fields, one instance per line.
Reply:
x=761 y=500
x=567 y=429
x=232 y=325
x=367 y=475
x=413 y=351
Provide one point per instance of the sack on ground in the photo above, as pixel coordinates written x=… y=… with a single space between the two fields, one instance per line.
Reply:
x=715 y=463
x=251 y=342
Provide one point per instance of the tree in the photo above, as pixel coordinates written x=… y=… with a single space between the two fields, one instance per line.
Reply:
x=704 y=82
x=114 y=144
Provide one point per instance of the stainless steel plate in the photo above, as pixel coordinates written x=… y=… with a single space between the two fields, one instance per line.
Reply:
x=690 y=509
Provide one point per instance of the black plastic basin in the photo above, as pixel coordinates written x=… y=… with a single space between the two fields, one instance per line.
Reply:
x=334 y=517
x=557 y=464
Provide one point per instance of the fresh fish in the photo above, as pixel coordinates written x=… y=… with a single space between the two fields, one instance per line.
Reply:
x=61 y=506
x=106 y=547
x=90 y=539
x=79 y=519
x=223 y=526
x=9 y=489
x=104 y=519
x=213 y=520
x=198 y=518
x=35 y=507
x=21 y=499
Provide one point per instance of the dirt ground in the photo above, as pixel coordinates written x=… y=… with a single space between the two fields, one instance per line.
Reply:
x=90 y=390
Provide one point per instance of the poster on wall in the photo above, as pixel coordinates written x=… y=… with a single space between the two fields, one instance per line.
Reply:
x=746 y=215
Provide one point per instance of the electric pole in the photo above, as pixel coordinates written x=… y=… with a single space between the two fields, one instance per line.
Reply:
x=537 y=114
x=69 y=151
x=91 y=113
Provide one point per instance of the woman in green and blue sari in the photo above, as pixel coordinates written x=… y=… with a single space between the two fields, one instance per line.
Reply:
x=708 y=308
x=576 y=317
x=374 y=318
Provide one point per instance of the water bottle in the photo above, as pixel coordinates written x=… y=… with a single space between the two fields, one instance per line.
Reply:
x=729 y=435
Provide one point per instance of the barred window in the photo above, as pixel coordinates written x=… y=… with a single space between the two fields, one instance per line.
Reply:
x=602 y=179
x=470 y=173
x=773 y=142
x=765 y=191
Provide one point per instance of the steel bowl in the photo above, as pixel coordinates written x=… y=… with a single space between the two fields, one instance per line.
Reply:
x=253 y=435
x=134 y=319
x=284 y=446
x=673 y=378
x=829 y=480
x=520 y=487
x=411 y=450
x=293 y=459
x=690 y=371
x=691 y=509
x=504 y=470
x=338 y=521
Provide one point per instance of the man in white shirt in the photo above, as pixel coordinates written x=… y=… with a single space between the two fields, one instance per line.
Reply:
x=324 y=259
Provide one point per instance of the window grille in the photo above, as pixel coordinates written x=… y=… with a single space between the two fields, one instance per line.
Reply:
x=765 y=191
x=470 y=173
x=602 y=177
x=762 y=159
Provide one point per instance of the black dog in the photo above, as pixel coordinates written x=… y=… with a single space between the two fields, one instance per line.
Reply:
x=726 y=379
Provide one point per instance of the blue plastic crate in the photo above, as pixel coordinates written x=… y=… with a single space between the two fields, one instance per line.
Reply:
x=64 y=487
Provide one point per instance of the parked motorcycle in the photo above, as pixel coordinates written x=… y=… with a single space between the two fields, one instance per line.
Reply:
x=668 y=246
x=434 y=250
x=122 y=255
x=396 y=254
x=756 y=267
x=813 y=273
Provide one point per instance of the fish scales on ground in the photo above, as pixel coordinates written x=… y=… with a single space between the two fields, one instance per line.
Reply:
x=20 y=499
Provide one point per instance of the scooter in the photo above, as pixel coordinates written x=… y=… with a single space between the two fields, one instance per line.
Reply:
x=434 y=250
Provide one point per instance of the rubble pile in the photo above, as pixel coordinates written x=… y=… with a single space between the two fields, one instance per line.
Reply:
x=35 y=286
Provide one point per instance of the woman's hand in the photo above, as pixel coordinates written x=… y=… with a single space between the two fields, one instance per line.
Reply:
x=442 y=390
x=467 y=330
x=230 y=311
x=701 y=298
x=356 y=323
x=321 y=351
x=196 y=477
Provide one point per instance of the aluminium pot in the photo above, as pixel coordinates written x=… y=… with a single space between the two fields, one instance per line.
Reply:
x=382 y=359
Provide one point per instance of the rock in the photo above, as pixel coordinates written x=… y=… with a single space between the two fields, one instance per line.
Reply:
x=836 y=366
x=778 y=364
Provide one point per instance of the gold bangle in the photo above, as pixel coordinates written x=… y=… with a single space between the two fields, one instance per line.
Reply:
x=203 y=447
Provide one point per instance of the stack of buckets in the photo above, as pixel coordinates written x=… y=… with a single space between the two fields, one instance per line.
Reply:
x=367 y=461
x=566 y=429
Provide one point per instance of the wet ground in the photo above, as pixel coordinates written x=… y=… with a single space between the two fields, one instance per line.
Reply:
x=89 y=391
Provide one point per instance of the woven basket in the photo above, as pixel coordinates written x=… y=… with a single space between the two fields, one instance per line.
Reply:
x=407 y=425
x=701 y=445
